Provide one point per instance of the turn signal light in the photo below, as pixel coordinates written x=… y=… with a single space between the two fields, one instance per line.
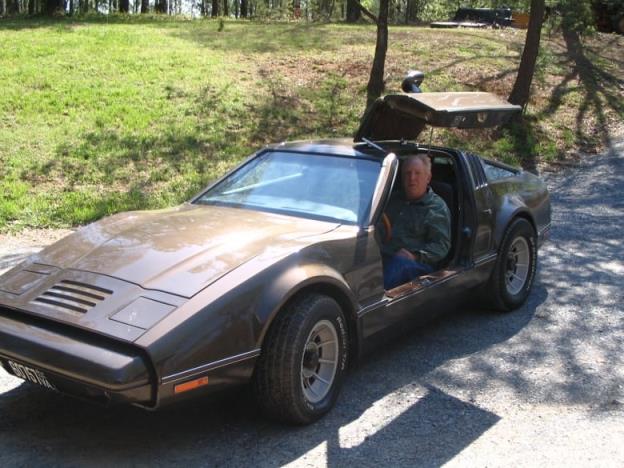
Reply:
x=190 y=385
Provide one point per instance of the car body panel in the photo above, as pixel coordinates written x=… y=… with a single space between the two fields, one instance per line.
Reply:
x=404 y=116
x=180 y=250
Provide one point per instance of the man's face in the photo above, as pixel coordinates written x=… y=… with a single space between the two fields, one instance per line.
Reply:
x=416 y=178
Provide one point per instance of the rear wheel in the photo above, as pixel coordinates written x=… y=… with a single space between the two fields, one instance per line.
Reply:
x=299 y=372
x=513 y=275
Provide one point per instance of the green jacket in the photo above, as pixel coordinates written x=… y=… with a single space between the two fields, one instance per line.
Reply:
x=423 y=227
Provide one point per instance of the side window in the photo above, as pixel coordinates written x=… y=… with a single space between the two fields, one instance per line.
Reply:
x=493 y=172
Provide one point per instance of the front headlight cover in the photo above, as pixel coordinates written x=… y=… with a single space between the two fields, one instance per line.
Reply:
x=143 y=313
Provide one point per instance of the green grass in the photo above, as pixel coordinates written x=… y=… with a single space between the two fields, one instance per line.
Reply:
x=100 y=115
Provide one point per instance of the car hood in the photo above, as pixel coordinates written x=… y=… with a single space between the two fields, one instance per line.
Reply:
x=180 y=250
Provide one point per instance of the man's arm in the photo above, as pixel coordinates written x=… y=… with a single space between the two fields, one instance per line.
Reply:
x=438 y=242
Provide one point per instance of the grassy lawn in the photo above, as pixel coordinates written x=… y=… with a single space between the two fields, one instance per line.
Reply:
x=99 y=116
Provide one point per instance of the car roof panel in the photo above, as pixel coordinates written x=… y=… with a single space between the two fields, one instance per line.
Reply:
x=404 y=116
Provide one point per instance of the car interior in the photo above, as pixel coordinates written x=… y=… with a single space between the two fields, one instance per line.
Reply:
x=444 y=184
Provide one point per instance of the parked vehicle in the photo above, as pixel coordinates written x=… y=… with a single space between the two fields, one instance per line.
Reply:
x=273 y=274
x=477 y=18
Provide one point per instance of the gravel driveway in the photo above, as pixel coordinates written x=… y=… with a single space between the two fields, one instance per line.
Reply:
x=541 y=386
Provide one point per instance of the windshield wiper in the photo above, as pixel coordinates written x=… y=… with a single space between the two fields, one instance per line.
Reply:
x=372 y=144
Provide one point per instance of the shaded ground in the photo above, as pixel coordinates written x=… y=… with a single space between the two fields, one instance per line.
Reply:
x=543 y=385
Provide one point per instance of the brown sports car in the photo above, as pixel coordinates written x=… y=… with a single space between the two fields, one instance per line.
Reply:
x=273 y=274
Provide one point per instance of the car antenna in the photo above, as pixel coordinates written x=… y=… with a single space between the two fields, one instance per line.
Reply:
x=373 y=144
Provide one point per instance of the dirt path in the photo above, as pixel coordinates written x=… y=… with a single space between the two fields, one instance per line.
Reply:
x=543 y=385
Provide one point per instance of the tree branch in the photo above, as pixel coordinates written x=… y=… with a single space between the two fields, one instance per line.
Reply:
x=366 y=12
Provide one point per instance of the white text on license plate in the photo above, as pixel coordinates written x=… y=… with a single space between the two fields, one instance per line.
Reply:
x=30 y=374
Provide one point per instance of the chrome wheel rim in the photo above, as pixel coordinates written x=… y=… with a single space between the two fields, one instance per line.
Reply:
x=319 y=361
x=517 y=270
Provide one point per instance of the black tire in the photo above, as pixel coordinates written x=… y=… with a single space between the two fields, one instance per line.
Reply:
x=289 y=355
x=499 y=291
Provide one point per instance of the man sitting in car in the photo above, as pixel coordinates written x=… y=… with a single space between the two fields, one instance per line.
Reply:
x=420 y=224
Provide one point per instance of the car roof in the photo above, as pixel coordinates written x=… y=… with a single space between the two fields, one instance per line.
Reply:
x=345 y=147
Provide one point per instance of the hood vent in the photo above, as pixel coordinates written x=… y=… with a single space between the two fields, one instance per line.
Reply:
x=72 y=296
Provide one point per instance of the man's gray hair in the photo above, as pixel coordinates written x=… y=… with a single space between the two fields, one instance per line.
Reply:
x=422 y=157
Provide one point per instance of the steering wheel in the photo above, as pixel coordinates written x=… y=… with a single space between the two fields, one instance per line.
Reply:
x=387 y=227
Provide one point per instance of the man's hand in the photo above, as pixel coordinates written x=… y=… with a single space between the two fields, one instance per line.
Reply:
x=406 y=254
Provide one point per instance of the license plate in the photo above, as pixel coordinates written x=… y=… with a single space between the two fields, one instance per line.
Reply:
x=31 y=375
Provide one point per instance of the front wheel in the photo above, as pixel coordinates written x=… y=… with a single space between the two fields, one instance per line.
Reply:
x=513 y=275
x=299 y=372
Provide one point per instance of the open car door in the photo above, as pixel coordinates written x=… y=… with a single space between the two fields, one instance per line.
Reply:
x=404 y=116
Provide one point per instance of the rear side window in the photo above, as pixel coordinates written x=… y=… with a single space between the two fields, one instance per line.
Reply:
x=494 y=172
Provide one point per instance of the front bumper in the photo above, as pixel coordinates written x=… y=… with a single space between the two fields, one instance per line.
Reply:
x=75 y=362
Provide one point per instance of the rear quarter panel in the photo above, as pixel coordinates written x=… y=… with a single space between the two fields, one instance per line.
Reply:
x=521 y=195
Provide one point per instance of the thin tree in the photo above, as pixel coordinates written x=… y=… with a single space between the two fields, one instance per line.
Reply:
x=144 y=6
x=522 y=87
x=354 y=14
x=376 y=80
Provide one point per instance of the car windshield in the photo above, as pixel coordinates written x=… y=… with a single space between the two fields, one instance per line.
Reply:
x=301 y=184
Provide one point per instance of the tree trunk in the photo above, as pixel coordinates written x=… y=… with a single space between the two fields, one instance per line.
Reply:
x=160 y=6
x=522 y=87
x=243 y=9
x=3 y=8
x=376 y=81
x=144 y=6
x=52 y=6
x=215 y=8
x=124 y=6
x=12 y=7
x=226 y=8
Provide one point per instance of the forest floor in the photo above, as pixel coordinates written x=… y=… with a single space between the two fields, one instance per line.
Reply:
x=102 y=115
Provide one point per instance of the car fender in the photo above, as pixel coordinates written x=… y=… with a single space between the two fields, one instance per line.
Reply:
x=295 y=280
x=512 y=207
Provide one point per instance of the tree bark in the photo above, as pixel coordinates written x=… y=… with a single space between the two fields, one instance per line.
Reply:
x=243 y=9
x=124 y=6
x=215 y=8
x=376 y=80
x=226 y=8
x=144 y=6
x=522 y=87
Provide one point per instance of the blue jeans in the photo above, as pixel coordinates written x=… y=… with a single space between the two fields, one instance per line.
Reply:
x=398 y=270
